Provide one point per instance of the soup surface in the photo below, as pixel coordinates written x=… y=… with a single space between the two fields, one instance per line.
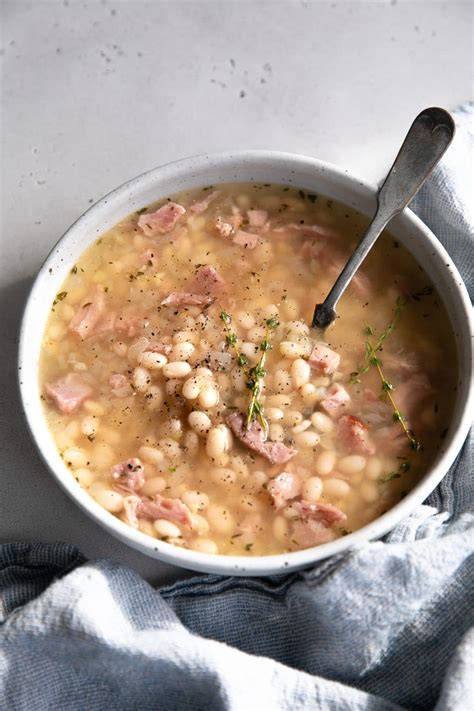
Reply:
x=188 y=396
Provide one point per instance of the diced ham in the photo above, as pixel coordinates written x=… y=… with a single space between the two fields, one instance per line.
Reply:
x=229 y=226
x=401 y=363
x=411 y=394
x=252 y=523
x=68 y=393
x=128 y=325
x=392 y=440
x=254 y=438
x=323 y=359
x=208 y=281
x=245 y=239
x=128 y=475
x=311 y=533
x=315 y=230
x=200 y=206
x=283 y=488
x=336 y=400
x=353 y=436
x=170 y=509
x=185 y=299
x=119 y=385
x=325 y=513
x=159 y=347
x=162 y=220
x=257 y=218
x=118 y=381
x=88 y=315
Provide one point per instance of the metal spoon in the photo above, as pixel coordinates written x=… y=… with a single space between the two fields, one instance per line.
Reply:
x=429 y=136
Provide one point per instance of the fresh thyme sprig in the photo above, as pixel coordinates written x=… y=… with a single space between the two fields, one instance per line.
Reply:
x=371 y=358
x=256 y=373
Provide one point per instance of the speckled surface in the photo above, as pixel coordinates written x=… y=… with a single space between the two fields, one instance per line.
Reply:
x=96 y=92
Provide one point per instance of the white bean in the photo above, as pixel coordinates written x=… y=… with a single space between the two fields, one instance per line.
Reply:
x=292 y=418
x=153 y=361
x=191 y=443
x=154 y=397
x=280 y=528
x=374 y=468
x=220 y=519
x=89 y=426
x=110 y=500
x=204 y=545
x=94 y=408
x=173 y=386
x=184 y=337
x=352 y=464
x=312 y=489
x=298 y=328
x=280 y=401
x=307 y=440
x=274 y=414
x=75 y=457
x=203 y=372
x=209 y=396
x=182 y=351
x=141 y=379
x=302 y=427
x=153 y=486
x=84 y=476
x=199 y=422
x=325 y=463
x=309 y=394
x=322 y=422
x=166 y=529
x=292 y=349
x=245 y=319
x=215 y=442
x=256 y=334
x=249 y=349
x=276 y=432
x=170 y=448
x=152 y=455
x=195 y=500
x=369 y=491
x=282 y=381
x=192 y=388
x=335 y=488
x=176 y=369
x=199 y=524
x=300 y=372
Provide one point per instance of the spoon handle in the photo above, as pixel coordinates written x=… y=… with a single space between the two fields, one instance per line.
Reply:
x=428 y=138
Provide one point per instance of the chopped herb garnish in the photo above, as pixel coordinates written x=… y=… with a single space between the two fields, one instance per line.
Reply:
x=371 y=358
x=60 y=297
x=74 y=270
x=248 y=547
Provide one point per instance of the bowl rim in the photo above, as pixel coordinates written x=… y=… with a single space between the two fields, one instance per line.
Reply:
x=217 y=563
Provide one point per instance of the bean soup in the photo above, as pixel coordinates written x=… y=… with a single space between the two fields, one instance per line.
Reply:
x=188 y=396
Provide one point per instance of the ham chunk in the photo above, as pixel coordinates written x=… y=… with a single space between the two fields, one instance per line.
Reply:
x=208 y=281
x=248 y=240
x=336 y=401
x=323 y=359
x=324 y=513
x=68 y=393
x=128 y=475
x=257 y=218
x=283 y=488
x=88 y=316
x=162 y=220
x=254 y=438
x=312 y=533
x=227 y=227
x=147 y=259
x=158 y=507
x=306 y=230
x=185 y=299
x=118 y=380
x=353 y=436
x=200 y=206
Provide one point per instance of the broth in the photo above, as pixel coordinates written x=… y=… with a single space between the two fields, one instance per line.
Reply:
x=159 y=402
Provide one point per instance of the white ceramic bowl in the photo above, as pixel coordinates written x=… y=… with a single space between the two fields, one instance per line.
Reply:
x=256 y=166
